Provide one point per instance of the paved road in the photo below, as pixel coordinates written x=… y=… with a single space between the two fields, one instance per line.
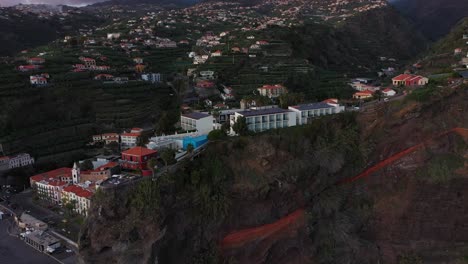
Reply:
x=14 y=251
x=25 y=203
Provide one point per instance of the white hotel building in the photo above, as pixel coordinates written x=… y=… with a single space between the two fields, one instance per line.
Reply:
x=305 y=112
x=196 y=121
x=265 y=119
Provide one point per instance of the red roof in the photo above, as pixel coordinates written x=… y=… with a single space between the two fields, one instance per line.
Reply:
x=78 y=190
x=107 y=166
x=139 y=151
x=387 y=90
x=271 y=87
x=402 y=77
x=29 y=67
x=330 y=101
x=54 y=174
x=57 y=183
x=366 y=92
x=130 y=135
x=36 y=59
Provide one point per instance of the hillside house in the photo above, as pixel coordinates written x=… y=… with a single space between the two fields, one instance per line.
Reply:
x=36 y=61
x=272 y=91
x=88 y=62
x=129 y=140
x=363 y=95
x=27 y=68
x=103 y=77
x=140 y=68
x=205 y=84
x=207 y=75
x=217 y=53
x=388 y=92
x=138 y=60
x=17 y=161
x=113 y=36
x=409 y=80
x=151 y=77
x=38 y=80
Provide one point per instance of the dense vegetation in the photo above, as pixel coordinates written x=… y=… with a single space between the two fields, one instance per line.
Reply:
x=20 y=31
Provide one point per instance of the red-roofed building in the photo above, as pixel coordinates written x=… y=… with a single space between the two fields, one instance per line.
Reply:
x=363 y=95
x=205 y=84
x=217 y=53
x=49 y=185
x=79 y=197
x=26 y=68
x=129 y=140
x=272 y=91
x=388 y=92
x=103 y=76
x=409 y=80
x=100 y=173
x=88 y=62
x=36 y=61
x=137 y=158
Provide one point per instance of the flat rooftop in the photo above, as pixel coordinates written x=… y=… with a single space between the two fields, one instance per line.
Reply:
x=268 y=111
x=42 y=238
x=312 y=106
x=196 y=115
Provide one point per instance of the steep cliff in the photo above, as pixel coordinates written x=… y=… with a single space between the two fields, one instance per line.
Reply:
x=274 y=197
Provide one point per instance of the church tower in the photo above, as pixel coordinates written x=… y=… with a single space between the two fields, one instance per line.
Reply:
x=76 y=173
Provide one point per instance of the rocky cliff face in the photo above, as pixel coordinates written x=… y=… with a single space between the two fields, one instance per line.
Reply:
x=272 y=198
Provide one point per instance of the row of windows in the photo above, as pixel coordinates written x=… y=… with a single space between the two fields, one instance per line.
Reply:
x=267 y=118
x=266 y=126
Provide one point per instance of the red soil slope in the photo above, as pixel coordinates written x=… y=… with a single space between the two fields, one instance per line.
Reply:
x=241 y=237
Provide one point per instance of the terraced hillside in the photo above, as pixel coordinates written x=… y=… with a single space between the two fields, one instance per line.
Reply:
x=61 y=117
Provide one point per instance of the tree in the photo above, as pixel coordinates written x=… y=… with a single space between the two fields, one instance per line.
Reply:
x=216 y=113
x=378 y=95
x=167 y=155
x=113 y=146
x=216 y=135
x=190 y=148
x=240 y=126
x=152 y=164
x=86 y=165
x=289 y=99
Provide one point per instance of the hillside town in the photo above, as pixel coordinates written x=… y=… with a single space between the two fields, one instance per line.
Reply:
x=164 y=84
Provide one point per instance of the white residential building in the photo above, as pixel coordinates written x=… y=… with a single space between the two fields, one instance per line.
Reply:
x=305 y=112
x=151 y=77
x=388 y=92
x=79 y=197
x=129 y=140
x=272 y=91
x=265 y=119
x=38 y=80
x=20 y=160
x=201 y=122
x=49 y=185
x=112 y=36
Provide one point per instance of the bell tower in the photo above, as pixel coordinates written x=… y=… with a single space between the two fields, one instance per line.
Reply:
x=76 y=173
